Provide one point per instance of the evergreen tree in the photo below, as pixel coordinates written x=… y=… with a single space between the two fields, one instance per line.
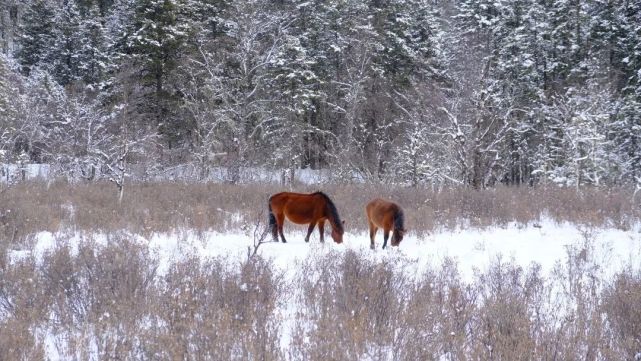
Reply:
x=4 y=89
x=10 y=13
x=65 y=63
x=206 y=17
x=92 y=54
x=405 y=35
x=7 y=114
x=37 y=35
x=569 y=25
x=155 y=45
x=624 y=39
x=103 y=6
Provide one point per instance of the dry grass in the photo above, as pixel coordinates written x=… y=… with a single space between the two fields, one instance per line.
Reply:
x=622 y=304
x=108 y=302
x=160 y=207
x=349 y=307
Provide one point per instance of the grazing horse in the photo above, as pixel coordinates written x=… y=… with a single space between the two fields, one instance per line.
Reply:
x=386 y=215
x=312 y=209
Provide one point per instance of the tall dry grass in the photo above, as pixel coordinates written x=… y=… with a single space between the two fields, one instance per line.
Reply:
x=106 y=300
x=160 y=207
x=109 y=302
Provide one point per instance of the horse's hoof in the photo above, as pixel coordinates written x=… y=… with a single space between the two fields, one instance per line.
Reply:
x=372 y=246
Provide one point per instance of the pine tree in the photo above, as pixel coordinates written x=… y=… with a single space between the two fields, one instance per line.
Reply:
x=405 y=35
x=10 y=13
x=625 y=130
x=7 y=114
x=155 y=44
x=92 y=54
x=569 y=24
x=4 y=89
x=37 y=35
x=103 y=6
x=206 y=17
x=65 y=64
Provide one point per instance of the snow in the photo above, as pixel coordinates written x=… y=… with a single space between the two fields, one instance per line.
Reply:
x=182 y=172
x=545 y=243
x=31 y=171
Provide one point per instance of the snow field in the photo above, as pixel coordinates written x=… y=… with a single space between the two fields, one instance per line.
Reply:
x=547 y=244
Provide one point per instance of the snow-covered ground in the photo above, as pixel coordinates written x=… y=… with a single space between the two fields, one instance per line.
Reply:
x=10 y=172
x=544 y=243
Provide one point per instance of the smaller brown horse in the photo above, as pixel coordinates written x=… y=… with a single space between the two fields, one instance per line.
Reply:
x=312 y=209
x=386 y=215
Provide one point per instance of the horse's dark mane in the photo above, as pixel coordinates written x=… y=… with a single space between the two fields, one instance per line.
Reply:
x=332 y=211
x=399 y=220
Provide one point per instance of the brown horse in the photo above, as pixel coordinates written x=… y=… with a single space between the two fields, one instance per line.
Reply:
x=386 y=215
x=312 y=209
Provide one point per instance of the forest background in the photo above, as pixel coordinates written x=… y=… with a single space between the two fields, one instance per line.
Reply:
x=412 y=92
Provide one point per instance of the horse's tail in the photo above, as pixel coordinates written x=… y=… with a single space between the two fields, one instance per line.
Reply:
x=399 y=220
x=272 y=221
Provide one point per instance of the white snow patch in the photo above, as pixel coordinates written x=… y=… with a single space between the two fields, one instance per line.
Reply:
x=545 y=243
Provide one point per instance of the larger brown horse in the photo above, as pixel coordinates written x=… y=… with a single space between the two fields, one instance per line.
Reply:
x=312 y=209
x=386 y=215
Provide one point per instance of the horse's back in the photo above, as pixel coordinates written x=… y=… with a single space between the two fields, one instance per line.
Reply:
x=286 y=197
x=382 y=205
x=298 y=207
x=381 y=212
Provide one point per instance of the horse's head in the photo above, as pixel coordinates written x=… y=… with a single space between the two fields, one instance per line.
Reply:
x=397 y=236
x=337 y=234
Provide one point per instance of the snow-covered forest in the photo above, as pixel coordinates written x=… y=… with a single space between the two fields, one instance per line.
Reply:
x=413 y=92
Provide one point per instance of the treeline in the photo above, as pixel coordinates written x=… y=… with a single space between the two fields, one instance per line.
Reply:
x=405 y=91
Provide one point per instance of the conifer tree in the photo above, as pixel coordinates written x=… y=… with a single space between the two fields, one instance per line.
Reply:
x=65 y=63
x=93 y=57
x=37 y=35
x=155 y=44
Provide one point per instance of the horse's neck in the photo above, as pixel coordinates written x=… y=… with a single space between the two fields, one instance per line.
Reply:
x=331 y=217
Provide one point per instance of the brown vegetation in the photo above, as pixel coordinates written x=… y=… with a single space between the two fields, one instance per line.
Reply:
x=109 y=302
x=160 y=207
x=107 y=299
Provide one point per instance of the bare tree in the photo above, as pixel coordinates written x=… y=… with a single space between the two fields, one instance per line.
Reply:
x=260 y=237
x=229 y=104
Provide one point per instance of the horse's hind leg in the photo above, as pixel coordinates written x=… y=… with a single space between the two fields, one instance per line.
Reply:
x=280 y=220
x=385 y=237
x=309 y=231
x=321 y=231
x=372 y=235
x=273 y=225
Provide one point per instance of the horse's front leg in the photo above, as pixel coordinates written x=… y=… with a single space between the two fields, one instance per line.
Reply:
x=282 y=235
x=280 y=221
x=372 y=235
x=321 y=231
x=385 y=237
x=309 y=231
